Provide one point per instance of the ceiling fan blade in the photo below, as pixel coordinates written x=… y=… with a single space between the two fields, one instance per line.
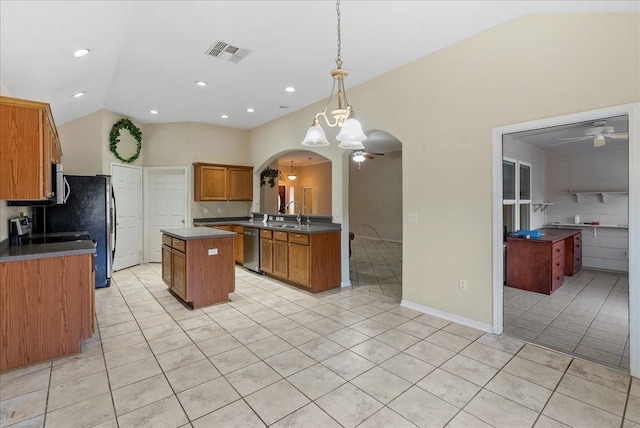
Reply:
x=376 y=154
x=586 y=137
x=368 y=156
x=621 y=135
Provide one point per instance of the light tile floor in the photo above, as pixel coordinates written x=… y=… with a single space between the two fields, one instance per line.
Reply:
x=278 y=356
x=377 y=266
x=588 y=316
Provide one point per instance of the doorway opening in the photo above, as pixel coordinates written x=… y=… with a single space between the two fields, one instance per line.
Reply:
x=375 y=215
x=581 y=186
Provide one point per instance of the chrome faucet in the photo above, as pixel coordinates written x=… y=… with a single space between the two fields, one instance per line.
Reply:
x=299 y=218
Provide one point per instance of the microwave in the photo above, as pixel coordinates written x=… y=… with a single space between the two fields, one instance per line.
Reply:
x=59 y=186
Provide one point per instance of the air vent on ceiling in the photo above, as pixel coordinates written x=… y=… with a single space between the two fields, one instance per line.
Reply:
x=226 y=52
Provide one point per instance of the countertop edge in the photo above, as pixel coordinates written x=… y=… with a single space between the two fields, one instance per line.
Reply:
x=313 y=229
x=190 y=233
x=45 y=251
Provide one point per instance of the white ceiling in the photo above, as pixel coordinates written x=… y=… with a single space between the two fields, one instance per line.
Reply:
x=148 y=54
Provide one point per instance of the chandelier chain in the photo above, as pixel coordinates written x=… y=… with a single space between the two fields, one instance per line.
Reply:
x=339 y=59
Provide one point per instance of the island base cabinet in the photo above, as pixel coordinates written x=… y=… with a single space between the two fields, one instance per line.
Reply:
x=200 y=272
x=47 y=307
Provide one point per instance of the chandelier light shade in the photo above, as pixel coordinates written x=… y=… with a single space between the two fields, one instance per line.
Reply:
x=350 y=135
x=292 y=175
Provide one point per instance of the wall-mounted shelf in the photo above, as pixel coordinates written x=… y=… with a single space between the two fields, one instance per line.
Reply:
x=603 y=194
x=541 y=206
x=593 y=226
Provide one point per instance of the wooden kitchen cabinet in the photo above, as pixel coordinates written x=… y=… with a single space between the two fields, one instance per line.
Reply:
x=280 y=254
x=29 y=145
x=540 y=264
x=222 y=182
x=299 y=259
x=266 y=251
x=199 y=271
x=47 y=308
x=239 y=243
x=311 y=261
x=240 y=183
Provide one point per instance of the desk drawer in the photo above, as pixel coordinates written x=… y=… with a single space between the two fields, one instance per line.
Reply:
x=557 y=279
x=557 y=250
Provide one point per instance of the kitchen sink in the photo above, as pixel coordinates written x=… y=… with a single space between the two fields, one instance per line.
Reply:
x=289 y=226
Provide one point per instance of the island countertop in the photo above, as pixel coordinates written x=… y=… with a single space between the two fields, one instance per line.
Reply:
x=187 y=233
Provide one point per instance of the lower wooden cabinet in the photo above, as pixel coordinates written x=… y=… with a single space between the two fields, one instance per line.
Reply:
x=239 y=243
x=281 y=257
x=47 y=307
x=299 y=268
x=194 y=273
x=266 y=251
x=311 y=261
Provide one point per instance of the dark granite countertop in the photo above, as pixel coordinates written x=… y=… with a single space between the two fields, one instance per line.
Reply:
x=188 y=233
x=284 y=226
x=43 y=251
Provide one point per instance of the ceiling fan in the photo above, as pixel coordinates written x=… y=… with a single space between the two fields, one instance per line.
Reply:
x=360 y=155
x=599 y=132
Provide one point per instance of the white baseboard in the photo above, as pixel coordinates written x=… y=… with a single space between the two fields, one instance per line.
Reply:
x=447 y=316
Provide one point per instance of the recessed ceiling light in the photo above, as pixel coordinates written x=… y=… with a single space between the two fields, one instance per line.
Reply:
x=250 y=110
x=153 y=111
x=201 y=83
x=78 y=94
x=224 y=116
x=290 y=89
x=80 y=52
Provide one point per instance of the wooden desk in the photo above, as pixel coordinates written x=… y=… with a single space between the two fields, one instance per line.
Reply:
x=540 y=264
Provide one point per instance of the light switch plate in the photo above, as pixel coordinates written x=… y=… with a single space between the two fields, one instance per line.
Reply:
x=213 y=251
x=413 y=216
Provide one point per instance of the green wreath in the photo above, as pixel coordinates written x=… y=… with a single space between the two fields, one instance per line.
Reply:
x=114 y=139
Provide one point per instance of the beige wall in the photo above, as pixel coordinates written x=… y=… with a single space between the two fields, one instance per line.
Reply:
x=317 y=176
x=182 y=144
x=443 y=108
x=375 y=197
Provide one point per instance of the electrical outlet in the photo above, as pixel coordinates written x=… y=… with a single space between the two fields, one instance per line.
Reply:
x=206 y=210
x=213 y=251
x=413 y=217
x=219 y=210
x=463 y=285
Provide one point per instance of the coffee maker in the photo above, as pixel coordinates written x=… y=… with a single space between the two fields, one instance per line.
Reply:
x=19 y=230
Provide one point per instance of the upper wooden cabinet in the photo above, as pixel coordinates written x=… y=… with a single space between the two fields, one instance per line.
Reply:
x=29 y=145
x=222 y=182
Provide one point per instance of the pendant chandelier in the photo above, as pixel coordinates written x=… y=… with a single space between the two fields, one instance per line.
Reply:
x=350 y=135
x=292 y=176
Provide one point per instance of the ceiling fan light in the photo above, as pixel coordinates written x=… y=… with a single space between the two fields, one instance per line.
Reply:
x=315 y=137
x=358 y=157
x=292 y=177
x=599 y=141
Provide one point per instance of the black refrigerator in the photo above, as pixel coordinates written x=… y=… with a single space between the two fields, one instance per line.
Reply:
x=91 y=208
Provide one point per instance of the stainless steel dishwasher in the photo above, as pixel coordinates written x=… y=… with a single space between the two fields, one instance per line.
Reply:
x=252 y=249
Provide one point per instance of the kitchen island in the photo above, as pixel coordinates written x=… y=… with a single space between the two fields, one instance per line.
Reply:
x=198 y=264
x=47 y=303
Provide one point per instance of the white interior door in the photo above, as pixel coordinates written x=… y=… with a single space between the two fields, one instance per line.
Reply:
x=127 y=186
x=166 y=206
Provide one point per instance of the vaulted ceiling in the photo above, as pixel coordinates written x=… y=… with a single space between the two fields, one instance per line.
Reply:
x=147 y=55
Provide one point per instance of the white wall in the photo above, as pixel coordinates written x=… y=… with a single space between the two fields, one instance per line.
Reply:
x=521 y=151
x=585 y=168
x=375 y=197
